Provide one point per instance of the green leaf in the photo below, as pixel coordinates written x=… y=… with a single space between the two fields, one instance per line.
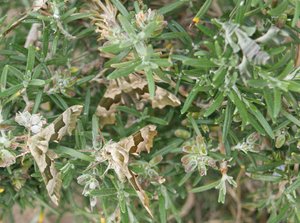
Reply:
x=156 y=120
x=126 y=25
x=120 y=7
x=171 y=147
x=287 y=70
x=269 y=101
x=277 y=102
x=104 y=192
x=162 y=210
x=80 y=135
x=192 y=95
x=268 y=178
x=281 y=215
x=16 y=72
x=171 y=35
x=243 y=7
x=84 y=79
x=129 y=110
x=37 y=82
x=227 y=120
x=219 y=76
x=162 y=62
x=240 y=106
x=125 y=71
x=10 y=91
x=262 y=120
x=37 y=101
x=296 y=14
x=4 y=78
x=87 y=102
x=195 y=125
x=203 y=9
x=30 y=58
x=205 y=187
x=294 y=86
x=199 y=63
x=186 y=39
x=59 y=101
x=117 y=58
x=172 y=6
x=215 y=105
x=111 y=48
x=255 y=124
x=76 y=16
x=209 y=32
x=294 y=186
x=73 y=153
x=291 y=118
x=46 y=36
x=151 y=84
x=280 y=8
x=184 y=179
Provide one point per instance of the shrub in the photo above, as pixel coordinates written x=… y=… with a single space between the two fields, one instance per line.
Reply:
x=127 y=111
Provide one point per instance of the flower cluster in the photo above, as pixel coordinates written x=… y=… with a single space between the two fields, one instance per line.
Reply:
x=197 y=157
x=32 y=122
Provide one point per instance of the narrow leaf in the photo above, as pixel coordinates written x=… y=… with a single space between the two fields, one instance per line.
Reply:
x=205 y=187
x=151 y=84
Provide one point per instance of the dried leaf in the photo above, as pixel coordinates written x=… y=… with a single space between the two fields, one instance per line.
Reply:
x=39 y=147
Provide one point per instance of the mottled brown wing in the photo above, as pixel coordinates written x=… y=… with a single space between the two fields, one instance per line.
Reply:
x=39 y=147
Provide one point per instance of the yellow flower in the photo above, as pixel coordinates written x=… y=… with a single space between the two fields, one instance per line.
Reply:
x=196 y=20
x=2 y=190
x=41 y=217
x=74 y=69
x=169 y=46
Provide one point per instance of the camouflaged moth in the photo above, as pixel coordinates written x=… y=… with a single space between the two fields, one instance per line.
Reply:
x=117 y=154
x=38 y=145
x=131 y=90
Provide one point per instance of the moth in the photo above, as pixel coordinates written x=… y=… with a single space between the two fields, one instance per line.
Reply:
x=118 y=156
x=38 y=145
x=131 y=90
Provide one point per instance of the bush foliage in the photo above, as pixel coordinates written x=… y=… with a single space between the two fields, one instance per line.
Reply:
x=150 y=111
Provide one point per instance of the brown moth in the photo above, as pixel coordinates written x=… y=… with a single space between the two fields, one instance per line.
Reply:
x=131 y=90
x=38 y=145
x=140 y=141
x=118 y=156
